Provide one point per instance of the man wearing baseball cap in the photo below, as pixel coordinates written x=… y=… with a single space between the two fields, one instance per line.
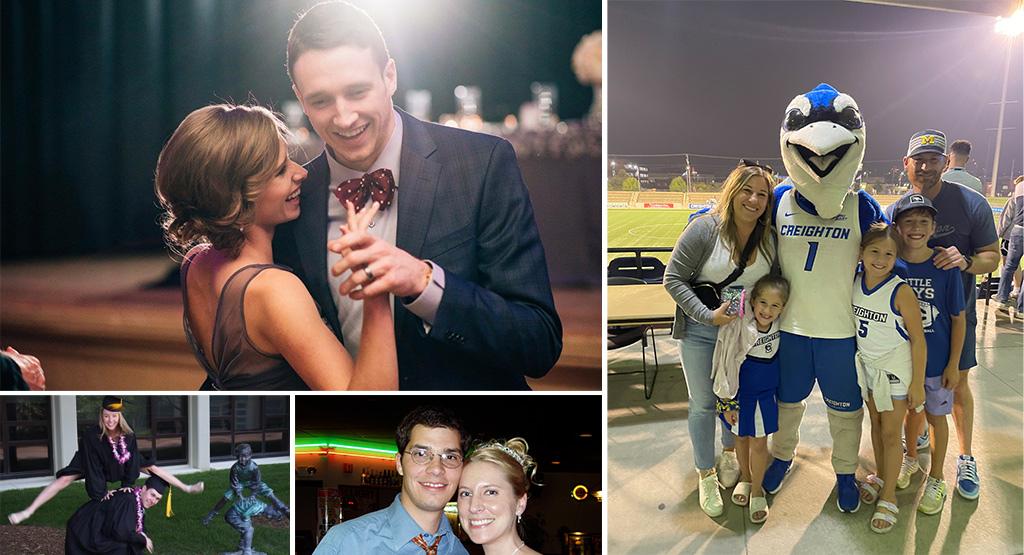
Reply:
x=965 y=238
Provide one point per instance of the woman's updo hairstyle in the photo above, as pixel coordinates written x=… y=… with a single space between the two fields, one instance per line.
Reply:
x=210 y=171
x=512 y=458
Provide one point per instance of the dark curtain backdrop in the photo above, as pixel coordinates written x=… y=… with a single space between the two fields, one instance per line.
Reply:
x=92 y=89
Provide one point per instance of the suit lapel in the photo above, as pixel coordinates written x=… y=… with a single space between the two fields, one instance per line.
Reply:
x=418 y=187
x=311 y=231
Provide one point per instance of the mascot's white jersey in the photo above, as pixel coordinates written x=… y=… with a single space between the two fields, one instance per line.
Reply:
x=880 y=327
x=819 y=257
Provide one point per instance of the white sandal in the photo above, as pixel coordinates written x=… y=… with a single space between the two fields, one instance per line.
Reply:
x=889 y=517
x=758 y=505
x=872 y=487
x=742 y=489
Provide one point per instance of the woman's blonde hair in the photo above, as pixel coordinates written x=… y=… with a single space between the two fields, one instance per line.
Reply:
x=211 y=171
x=512 y=458
x=122 y=423
x=733 y=185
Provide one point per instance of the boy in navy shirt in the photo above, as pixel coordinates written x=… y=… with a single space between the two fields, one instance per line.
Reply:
x=941 y=297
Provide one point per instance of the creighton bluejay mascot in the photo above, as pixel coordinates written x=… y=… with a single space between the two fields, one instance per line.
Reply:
x=819 y=222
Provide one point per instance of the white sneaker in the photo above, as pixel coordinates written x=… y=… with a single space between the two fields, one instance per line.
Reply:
x=934 y=496
x=728 y=469
x=907 y=471
x=710 y=498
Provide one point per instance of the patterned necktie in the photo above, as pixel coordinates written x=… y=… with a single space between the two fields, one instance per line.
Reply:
x=377 y=186
x=428 y=549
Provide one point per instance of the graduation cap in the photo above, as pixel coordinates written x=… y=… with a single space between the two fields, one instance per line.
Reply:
x=113 y=404
x=157 y=483
x=160 y=485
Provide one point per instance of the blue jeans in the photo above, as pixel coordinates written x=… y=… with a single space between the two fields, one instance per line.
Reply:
x=696 y=349
x=1013 y=256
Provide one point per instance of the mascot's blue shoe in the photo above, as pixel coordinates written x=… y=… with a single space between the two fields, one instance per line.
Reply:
x=847 y=493
x=776 y=474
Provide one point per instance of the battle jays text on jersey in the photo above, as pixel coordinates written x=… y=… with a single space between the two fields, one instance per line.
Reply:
x=826 y=231
x=922 y=286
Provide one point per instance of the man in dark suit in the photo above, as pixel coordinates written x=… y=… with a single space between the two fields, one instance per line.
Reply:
x=455 y=241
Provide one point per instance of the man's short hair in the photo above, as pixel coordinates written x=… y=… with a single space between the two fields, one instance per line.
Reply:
x=430 y=417
x=960 y=147
x=332 y=24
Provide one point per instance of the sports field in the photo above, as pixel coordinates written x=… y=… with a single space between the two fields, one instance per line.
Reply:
x=645 y=227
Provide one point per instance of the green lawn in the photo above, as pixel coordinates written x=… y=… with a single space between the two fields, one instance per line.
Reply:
x=645 y=227
x=184 y=533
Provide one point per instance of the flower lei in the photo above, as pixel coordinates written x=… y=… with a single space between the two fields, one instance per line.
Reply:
x=139 y=511
x=122 y=456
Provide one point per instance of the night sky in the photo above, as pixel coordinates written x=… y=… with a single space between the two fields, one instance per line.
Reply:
x=715 y=77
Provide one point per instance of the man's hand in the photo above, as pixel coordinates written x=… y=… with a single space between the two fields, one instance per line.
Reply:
x=110 y=493
x=149 y=543
x=209 y=518
x=732 y=417
x=31 y=370
x=949 y=257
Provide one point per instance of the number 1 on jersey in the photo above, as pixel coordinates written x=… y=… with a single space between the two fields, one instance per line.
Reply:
x=812 y=251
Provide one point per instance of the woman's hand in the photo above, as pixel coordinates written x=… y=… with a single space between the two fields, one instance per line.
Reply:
x=915 y=396
x=720 y=318
x=110 y=493
x=356 y=222
x=732 y=417
x=149 y=542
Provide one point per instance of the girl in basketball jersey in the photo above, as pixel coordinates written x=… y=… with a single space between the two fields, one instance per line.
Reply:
x=891 y=354
x=748 y=346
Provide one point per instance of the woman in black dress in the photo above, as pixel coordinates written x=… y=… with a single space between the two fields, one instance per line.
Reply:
x=108 y=453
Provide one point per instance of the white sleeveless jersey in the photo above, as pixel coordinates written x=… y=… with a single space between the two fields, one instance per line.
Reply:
x=766 y=346
x=880 y=328
x=819 y=258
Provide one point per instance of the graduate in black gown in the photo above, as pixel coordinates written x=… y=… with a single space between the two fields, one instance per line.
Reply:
x=106 y=453
x=116 y=525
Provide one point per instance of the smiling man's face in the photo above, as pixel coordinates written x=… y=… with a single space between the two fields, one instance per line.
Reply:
x=347 y=97
x=427 y=488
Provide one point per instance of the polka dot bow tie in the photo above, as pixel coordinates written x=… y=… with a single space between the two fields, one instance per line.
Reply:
x=429 y=550
x=377 y=186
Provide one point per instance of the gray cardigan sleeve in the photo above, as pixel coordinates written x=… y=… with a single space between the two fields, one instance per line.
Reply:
x=692 y=250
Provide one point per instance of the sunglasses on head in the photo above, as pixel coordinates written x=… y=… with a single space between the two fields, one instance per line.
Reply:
x=744 y=163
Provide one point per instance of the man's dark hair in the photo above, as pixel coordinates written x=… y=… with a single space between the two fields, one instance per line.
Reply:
x=960 y=147
x=430 y=417
x=332 y=24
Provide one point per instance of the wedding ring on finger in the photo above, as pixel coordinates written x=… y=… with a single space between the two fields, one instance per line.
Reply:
x=369 y=274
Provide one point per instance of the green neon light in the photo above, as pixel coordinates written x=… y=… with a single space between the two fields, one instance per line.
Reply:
x=360 y=446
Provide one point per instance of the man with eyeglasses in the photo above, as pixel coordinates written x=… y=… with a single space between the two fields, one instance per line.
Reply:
x=431 y=443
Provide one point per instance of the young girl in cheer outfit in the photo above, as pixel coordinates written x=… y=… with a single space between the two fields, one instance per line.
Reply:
x=891 y=353
x=746 y=375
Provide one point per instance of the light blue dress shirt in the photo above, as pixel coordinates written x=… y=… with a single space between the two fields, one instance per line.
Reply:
x=389 y=530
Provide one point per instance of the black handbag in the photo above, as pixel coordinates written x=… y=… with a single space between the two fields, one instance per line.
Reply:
x=711 y=293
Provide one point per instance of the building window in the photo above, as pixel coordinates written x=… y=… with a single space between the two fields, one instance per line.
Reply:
x=160 y=424
x=25 y=437
x=260 y=421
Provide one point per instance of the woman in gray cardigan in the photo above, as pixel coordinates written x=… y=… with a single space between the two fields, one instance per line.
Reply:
x=708 y=251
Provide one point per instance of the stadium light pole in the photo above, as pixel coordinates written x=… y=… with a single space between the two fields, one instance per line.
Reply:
x=1012 y=27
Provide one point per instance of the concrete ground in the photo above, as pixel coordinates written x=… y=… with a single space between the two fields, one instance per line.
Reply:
x=653 y=486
